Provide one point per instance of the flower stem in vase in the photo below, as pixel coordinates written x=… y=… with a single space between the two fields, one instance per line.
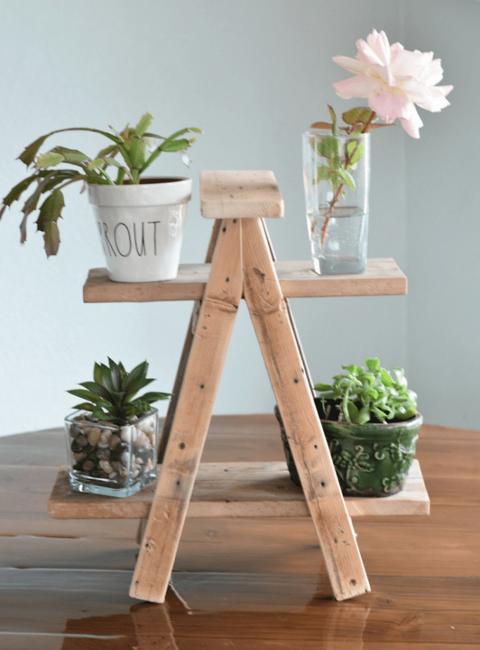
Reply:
x=352 y=155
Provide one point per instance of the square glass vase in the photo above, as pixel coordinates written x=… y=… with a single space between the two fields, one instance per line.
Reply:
x=111 y=460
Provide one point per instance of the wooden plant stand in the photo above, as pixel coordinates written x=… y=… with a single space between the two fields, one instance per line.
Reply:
x=240 y=264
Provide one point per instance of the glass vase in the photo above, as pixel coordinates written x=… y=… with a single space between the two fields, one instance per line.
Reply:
x=336 y=171
x=111 y=460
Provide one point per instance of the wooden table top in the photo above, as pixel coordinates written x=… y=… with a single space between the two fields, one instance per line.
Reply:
x=240 y=584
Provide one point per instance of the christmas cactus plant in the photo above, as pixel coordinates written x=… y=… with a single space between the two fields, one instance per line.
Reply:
x=130 y=152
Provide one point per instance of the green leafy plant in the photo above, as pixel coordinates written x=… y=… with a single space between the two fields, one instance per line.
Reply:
x=113 y=394
x=370 y=394
x=338 y=165
x=129 y=154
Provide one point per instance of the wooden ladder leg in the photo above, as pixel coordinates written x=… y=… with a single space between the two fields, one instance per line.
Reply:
x=289 y=378
x=290 y=315
x=192 y=417
x=187 y=346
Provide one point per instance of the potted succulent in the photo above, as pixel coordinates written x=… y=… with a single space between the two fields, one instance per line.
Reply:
x=371 y=422
x=112 y=436
x=140 y=219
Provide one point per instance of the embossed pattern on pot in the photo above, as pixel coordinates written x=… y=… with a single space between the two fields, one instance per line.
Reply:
x=371 y=460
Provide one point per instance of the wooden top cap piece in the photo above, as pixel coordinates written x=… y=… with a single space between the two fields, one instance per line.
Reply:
x=240 y=195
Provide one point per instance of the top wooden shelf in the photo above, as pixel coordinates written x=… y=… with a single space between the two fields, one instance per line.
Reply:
x=298 y=280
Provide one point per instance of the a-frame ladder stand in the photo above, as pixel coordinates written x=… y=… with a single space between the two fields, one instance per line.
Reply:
x=242 y=266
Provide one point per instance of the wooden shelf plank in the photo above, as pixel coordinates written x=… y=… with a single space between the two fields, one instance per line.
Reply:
x=240 y=195
x=382 y=277
x=253 y=490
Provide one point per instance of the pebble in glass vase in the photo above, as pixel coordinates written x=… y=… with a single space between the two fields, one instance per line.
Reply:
x=336 y=171
x=112 y=438
x=111 y=460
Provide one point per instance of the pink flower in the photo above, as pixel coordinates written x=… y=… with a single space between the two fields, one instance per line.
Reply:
x=393 y=80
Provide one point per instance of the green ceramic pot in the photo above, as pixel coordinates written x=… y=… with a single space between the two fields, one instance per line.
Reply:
x=371 y=460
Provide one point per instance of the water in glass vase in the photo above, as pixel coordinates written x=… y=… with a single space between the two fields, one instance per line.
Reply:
x=339 y=243
x=336 y=172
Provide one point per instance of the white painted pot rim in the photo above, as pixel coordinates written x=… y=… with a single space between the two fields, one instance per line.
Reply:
x=169 y=192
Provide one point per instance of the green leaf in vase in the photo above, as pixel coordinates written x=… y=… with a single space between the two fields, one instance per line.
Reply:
x=328 y=147
x=354 y=150
x=323 y=173
x=347 y=179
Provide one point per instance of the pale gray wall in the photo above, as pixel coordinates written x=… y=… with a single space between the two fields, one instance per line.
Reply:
x=443 y=216
x=253 y=74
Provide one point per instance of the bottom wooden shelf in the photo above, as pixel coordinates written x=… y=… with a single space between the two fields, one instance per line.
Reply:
x=237 y=490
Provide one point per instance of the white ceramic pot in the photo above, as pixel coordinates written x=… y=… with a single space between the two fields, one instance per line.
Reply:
x=141 y=227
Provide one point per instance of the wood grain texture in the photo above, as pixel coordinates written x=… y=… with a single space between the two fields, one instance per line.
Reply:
x=258 y=612
x=289 y=310
x=382 y=277
x=277 y=339
x=192 y=417
x=248 y=584
x=187 y=346
x=246 y=490
x=240 y=195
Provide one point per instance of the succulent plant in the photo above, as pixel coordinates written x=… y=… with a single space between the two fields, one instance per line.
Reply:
x=113 y=394
x=370 y=394
x=129 y=154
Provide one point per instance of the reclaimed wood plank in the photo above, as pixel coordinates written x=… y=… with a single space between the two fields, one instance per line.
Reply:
x=289 y=379
x=240 y=194
x=192 y=417
x=187 y=346
x=236 y=490
x=382 y=277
